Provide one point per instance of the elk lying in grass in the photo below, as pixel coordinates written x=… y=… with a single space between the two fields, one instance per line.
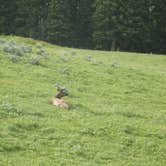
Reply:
x=57 y=100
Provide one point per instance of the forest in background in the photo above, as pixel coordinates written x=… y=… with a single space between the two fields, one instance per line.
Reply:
x=130 y=25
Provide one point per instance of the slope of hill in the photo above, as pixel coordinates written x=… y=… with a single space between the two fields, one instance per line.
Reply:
x=117 y=112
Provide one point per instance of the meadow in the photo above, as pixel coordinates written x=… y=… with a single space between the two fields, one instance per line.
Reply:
x=117 y=114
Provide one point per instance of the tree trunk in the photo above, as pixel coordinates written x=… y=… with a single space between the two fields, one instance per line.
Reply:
x=113 y=45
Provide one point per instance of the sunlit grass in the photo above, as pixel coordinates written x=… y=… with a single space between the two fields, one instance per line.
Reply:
x=117 y=112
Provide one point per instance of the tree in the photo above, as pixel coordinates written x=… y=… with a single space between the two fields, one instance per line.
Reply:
x=108 y=24
x=30 y=18
x=7 y=15
x=58 y=24
x=81 y=20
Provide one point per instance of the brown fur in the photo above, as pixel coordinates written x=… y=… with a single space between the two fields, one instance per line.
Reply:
x=59 y=102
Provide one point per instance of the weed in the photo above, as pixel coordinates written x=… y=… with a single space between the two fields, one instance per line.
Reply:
x=39 y=46
x=35 y=60
x=65 y=53
x=88 y=58
x=14 y=58
x=16 y=49
x=2 y=41
x=73 y=52
x=63 y=59
x=6 y=106
x=65 y=71
x=115 y=64
x=41 y=52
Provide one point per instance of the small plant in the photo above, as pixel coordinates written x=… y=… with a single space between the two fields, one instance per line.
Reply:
x=63 y=59
x=14 y=58
x=17 y=49
x=27 y=48
x=8 y=107
x=34 y=60
x=115 y=64
x=39 y=45
x=65 y=71
x=41 y=52
x=88 y=58
x=2 y=41
x=65 y=53
x=73 y=52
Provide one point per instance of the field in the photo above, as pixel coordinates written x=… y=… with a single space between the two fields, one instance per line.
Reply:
x=117 y=114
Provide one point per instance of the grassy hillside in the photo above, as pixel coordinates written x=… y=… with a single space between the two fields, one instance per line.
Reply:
x=117 y=114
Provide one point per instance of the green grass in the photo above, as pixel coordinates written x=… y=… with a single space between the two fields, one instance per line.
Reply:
x=117 y=114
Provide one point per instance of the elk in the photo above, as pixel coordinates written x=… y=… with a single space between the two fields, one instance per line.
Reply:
x=57 y=99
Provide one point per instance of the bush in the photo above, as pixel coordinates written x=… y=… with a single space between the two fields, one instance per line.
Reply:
x=39 y=45
x=63 y=59
x=13 y=50
x=2 y=41
x=88 y=58
x=17 y=49
x=27 y=48
x=73 y=52
x=65 y=71
x=5 y=106
x=41 y=52
x=14 y=58
x=115 y=64
x=34 y=60
x=65 y=53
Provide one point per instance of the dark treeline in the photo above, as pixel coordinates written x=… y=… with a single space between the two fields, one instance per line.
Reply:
x=127 y=25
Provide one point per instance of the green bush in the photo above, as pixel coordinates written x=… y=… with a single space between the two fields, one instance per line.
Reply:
x=6 y=106
x=73 y=52
x=88 y=58
x=17 y=49
x=14 y=58
x=39 y=45
x=34 y=60
x=41 y=52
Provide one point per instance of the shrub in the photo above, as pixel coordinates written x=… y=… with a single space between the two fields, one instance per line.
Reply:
x=39 y=45
x=65 y=53
x=65 y=71
x=2 y=41
x=41 y=52
x=26 y=48
x=34 y=60
x=63 y=59
x=14 y=58
x=88 y=58
x=115 y=64
x=8 y=107
x=17 y=49
x=73 y=52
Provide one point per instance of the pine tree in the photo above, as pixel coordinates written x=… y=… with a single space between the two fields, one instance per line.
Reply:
x=108 y=24
x=7 y=15
x=30 y=18
x=58 y=24
x=81 y=19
